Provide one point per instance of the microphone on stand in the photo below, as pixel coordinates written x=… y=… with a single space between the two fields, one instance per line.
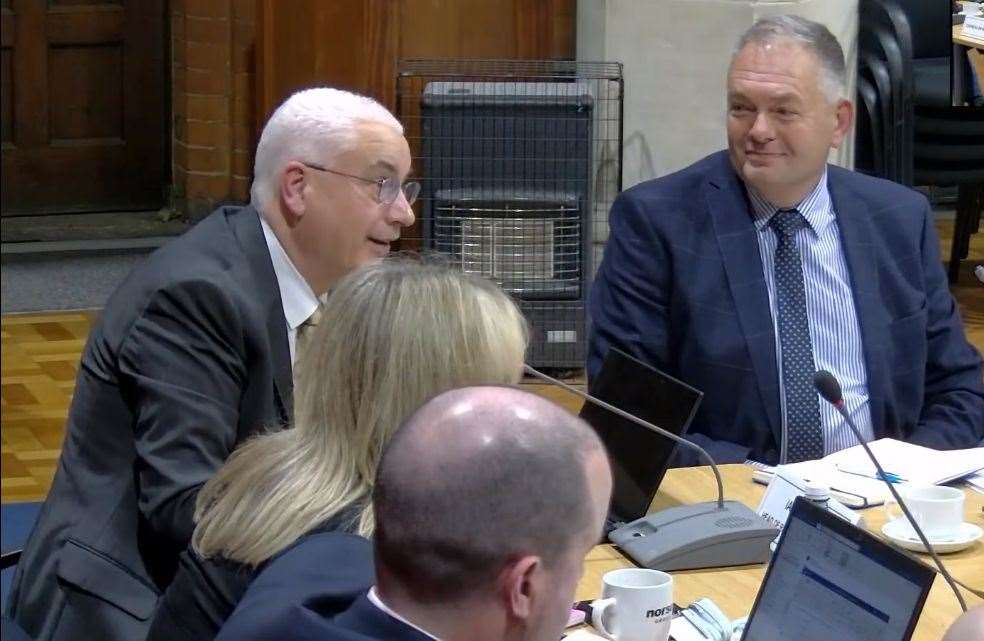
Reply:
x=704 y=535
x=830 y=389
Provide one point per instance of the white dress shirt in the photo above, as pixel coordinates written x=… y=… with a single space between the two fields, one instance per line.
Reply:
x=376 y=601
x=298 y=298
x=835 y=332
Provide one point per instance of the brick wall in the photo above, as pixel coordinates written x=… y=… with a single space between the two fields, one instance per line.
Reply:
x=213 y=98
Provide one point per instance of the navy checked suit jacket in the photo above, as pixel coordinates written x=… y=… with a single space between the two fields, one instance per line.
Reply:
x=681 y=286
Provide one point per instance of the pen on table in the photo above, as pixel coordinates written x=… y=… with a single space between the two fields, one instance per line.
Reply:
x=889 y=476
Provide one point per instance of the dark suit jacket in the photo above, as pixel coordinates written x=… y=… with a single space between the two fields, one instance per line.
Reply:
x=681 y=287
x=205 y=592
x=298 y=594
x=362 y=621
x=365 y=622
x=188 y=358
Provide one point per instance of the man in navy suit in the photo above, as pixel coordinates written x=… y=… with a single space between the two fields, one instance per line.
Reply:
x=748 y=271
x=486 y=501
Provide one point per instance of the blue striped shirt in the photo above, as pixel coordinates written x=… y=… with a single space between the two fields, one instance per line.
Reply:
x=834 y=330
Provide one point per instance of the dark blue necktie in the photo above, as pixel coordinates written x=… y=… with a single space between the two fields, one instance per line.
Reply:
x=805 y=440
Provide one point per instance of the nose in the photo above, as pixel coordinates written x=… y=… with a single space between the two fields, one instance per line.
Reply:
x=401 y=212
x=761 y=131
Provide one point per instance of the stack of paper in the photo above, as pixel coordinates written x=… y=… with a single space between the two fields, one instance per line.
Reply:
x=850 y=472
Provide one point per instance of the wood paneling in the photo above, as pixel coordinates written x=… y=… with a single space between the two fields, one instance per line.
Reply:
x=91 y=25
x=85 y=126
x=78 y=3
x=85 y=88
x=6 y=98
x=356 y=45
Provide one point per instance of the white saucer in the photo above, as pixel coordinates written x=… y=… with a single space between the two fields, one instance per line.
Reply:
x=901 y=534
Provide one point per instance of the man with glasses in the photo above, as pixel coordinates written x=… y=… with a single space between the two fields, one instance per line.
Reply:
x=194 y=353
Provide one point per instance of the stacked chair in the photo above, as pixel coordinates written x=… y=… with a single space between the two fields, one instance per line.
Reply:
x=906 y=130
x=949 y=150
x=885 y=75
x=932 y=48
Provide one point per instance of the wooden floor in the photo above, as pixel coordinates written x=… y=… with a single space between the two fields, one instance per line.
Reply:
x=40 y=355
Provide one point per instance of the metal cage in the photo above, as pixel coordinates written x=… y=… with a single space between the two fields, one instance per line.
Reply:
x=519 y=162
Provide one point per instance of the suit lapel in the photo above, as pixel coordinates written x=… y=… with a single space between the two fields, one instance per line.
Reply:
x=246 y=225
x=856 y=230
x=738 y=244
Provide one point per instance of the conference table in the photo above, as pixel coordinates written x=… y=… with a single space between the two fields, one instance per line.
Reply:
x=734 y=589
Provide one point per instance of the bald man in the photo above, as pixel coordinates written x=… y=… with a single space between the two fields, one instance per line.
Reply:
x=969 y=626
x=486 y=501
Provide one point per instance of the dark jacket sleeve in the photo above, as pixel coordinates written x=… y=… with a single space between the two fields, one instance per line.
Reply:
x=629 y=300
x=182 y=371
x=953 y=406
x=297 y=593
x=200 y=599
x=629 y=308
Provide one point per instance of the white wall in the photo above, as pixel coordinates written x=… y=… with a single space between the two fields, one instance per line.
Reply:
x=675 y=55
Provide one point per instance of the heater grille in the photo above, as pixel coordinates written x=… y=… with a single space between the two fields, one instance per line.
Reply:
x=509 y=249
x=531 y=251
x=516 y=159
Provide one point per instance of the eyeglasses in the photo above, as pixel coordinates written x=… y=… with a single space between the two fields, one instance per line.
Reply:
x=387 y=189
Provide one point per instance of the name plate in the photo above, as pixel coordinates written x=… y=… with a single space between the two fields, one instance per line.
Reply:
x=973 y=28
x=783 y=490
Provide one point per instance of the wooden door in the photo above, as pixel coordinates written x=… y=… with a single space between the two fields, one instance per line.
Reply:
x=83 y=111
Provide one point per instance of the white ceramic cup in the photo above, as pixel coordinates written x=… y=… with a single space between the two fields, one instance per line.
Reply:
x=939 y=510
x=635 y=605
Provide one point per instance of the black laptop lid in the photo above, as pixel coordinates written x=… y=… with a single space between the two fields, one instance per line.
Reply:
x=831 y=580
x=639 y=455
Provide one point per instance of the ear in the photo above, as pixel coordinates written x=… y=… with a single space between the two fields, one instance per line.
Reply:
x=844 y=115
x=519 y=586
x=292 y=182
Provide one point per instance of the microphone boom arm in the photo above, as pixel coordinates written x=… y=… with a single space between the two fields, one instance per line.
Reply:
x=830 y=389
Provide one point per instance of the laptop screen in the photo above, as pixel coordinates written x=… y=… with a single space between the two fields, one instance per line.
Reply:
x=831 y=580
x=639 y=456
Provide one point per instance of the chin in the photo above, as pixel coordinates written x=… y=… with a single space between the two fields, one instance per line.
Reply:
x=756 y=174
x=377 y=252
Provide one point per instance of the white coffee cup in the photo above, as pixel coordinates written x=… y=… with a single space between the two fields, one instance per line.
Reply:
x=636 y=605
x=939 y=510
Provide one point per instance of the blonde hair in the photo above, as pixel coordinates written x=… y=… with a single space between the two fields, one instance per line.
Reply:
x=392 y=335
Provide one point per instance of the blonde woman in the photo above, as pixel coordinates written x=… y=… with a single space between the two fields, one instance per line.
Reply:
x=391 y=336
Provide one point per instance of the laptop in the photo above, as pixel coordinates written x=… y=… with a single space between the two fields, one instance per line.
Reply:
x=831 y=580
x=639 y=456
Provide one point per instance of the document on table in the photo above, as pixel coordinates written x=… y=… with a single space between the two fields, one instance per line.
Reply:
x=850 y=472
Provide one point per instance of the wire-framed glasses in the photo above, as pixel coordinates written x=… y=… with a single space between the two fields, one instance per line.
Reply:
x=387 y=189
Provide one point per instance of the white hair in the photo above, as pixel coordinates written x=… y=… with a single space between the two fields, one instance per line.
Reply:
x=313 y=125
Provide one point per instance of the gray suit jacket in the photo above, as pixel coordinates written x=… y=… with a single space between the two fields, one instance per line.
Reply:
x=188 y=358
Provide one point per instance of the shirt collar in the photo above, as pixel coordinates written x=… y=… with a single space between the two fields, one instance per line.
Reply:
x=373 y=597
x=296 y=295
x=816 y=207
